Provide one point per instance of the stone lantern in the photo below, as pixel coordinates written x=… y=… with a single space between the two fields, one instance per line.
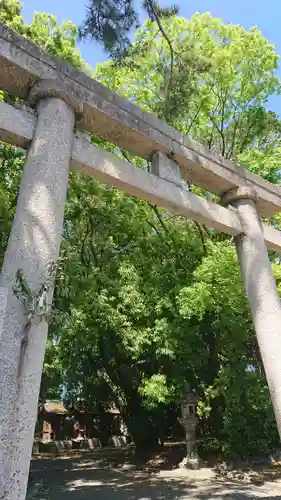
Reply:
x=188 y=421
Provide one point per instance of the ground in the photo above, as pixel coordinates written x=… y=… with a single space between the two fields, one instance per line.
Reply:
x=117 y=475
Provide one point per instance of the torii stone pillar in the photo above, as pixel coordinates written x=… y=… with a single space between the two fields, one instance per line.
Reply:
x=261 y=290
x=34 y=242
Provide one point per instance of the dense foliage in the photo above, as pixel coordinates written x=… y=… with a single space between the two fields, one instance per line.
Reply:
x=146 y=301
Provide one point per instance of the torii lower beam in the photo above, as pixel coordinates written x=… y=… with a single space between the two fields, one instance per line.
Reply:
x=17 y=127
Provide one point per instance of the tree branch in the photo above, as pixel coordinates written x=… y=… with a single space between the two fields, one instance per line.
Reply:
x=155 y=229
x=84 y=259
x=124 y=153
x=201 y=234
x=92 y=246
x=220 y=133
x=165 y=36
x=171 y=237
x=195 y=116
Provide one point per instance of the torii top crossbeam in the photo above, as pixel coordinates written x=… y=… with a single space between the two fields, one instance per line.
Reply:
x=106 y=114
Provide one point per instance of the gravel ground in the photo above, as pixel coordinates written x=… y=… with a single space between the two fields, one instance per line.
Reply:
x=86 y=478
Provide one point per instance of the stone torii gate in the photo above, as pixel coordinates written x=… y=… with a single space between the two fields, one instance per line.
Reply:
x=59 y=100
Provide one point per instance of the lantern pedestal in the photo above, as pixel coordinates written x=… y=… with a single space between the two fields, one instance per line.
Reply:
x=191 y=460
x=188 y=421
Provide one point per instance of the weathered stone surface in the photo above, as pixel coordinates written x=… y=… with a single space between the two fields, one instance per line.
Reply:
x=16 y=126
x=34 y=242
x=272 y=238
x=54 y=88
x=121 y=122
x=3 y=305
x=263 y=297
x=191 y=461
x=239 y=193
x=166 y=168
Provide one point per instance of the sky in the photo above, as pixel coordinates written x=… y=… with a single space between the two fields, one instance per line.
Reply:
x=266 y=14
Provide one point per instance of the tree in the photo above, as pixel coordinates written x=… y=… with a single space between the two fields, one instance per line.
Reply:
x=125 y=308
x=222 y=103
x=221 y=79
x=146 y=301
